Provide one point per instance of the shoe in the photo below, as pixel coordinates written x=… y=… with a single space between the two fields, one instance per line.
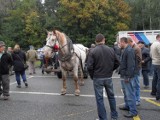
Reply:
x=5 y=97
x=157 y=98
x=153 y=94
x=137 y=103
x=18 y=86
x=34 y=72
x=30 y=73
x=26 y=84
x=129 y=115
x=123 y=108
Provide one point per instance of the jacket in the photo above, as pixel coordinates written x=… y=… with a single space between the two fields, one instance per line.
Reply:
x=138 y=59
x=146 y=58
x=31 y=55
x=155 y=53
x=127 y=63
x=5 y=63
x=101 y=61
x=19 y=58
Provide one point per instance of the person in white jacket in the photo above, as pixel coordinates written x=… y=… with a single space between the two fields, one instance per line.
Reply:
x=155 y=55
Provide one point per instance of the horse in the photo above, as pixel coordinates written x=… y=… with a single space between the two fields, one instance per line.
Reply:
x=71 y=58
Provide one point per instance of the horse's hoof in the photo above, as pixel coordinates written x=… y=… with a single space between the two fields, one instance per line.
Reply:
x=63 y=92
x=77 y=93
x=82 y=84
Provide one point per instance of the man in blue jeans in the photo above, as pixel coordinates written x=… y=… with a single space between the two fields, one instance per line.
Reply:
x=155 y=55
x=127 y=73
x=100 y=63
x=138 y=66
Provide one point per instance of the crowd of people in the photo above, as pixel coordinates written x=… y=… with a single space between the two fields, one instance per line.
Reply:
x=14 y=60
x=128 y=58
x=134 y=59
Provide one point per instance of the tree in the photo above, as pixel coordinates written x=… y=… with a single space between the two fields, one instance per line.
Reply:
x=24 y=25
x=82 y=19
x=145 y=14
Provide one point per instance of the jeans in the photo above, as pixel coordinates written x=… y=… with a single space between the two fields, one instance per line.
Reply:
x=137 y=88
x=23 y=75
x=156 y=81
x=99 y=84
x=129 y=95
x=145 y=77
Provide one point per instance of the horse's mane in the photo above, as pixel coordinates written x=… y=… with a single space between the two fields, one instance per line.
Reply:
x=61 y=36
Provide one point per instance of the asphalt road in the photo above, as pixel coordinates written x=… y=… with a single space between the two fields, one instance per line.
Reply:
x=42 y=101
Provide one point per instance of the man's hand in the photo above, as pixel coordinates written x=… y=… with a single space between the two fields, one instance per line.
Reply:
x=127 y=80
x=142 y=61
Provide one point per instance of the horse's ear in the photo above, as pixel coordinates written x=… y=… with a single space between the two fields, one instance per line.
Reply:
x=54 y=31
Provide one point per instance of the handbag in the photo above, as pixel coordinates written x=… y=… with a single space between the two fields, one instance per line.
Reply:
x=24 y=64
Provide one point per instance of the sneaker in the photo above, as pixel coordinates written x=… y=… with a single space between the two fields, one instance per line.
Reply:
x=153 y=94
x=124 y=108
x=30 y=73
x=18 y=86
x=137 y=103
x=5 y=97
x=26 y=84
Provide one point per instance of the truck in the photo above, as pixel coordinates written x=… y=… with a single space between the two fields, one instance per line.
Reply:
x=147 y=36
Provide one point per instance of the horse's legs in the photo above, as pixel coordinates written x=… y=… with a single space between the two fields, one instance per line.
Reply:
x=75 y=77
x=81 y=77
x=64 y=88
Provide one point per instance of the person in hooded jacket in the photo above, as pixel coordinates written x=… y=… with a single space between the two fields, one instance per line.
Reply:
x=19 y=59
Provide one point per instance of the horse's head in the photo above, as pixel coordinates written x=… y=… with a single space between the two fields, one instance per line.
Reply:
x=51 y=39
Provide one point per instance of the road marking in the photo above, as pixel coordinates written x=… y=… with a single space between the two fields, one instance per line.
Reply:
x=153 y=102
x=46 y=76
x=27 y=79
x=136 y=118
x=146 y=90
x=75 y=114
x=59 y=94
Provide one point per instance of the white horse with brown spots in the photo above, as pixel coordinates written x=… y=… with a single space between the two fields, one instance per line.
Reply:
x=71 y=57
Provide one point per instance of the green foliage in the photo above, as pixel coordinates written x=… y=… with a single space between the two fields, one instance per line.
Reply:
x=25 y=21
x=145 y=14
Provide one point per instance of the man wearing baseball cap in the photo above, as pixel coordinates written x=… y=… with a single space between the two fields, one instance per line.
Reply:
x=5 y=61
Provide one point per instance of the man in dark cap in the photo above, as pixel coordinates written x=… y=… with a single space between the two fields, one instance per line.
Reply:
x=100 y=64
x=145 y=63
x=5 y=61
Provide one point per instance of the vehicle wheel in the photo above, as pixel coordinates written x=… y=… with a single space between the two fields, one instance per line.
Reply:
x=85 y=73
x=59 y=75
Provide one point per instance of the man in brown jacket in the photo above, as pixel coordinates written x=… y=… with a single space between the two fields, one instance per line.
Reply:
x=137 y=69
x=32 y=57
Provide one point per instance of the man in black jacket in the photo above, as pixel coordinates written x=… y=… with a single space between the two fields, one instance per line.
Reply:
x=145 y=63
x=5 y=62
x=127 y=72
x=100 y=63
